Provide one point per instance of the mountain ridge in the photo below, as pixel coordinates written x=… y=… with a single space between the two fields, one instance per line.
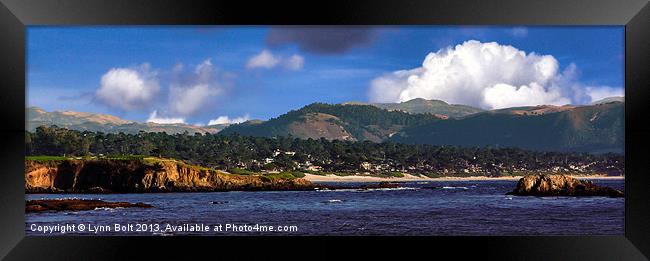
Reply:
x=581 y=128
x=420 y=105
x=333 y=121
x=587 y=128
x=83 y=121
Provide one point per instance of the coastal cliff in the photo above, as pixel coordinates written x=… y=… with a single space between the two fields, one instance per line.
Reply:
x=142 y=175
x=560 y=185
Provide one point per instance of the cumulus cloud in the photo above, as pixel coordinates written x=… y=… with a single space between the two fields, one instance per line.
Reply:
x=503 y=95
x=486 y=75
x=267 y=60
x=322 y=40
x=264 y=59
x=189 y=92
x=154 y=118
x=128 y=88
x=227 y=120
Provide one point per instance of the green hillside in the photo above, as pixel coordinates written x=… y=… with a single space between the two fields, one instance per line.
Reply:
x=595 y=128
x=420 y=105
x=345 y=122
x=591 y=128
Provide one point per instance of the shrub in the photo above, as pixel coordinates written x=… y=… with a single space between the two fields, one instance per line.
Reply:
x=46 y=158
x=240 y=171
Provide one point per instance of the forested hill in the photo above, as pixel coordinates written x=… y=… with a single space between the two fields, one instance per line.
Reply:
x=239 y=154
x=594 y=128
x=334 y=121
x=419 y=105
x=591 y=128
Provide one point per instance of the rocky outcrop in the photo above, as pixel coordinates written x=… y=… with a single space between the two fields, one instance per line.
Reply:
x=139 y=176
x=381 y=185
x=76 y=205
x=560 y=185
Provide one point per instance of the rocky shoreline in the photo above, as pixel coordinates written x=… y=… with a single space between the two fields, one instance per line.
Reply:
x=163 y=175
x=561 y=185
x=76 y=205
x=411 y=178
x=142 y=176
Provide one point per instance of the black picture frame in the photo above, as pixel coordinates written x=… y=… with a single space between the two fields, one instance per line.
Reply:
x=15 y=15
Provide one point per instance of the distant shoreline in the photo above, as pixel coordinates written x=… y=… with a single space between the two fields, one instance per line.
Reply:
x=408 y=177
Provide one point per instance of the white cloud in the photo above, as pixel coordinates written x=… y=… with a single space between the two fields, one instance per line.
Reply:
x=602 y=92
x=486 y=75
x=519 y=32
x=153 y=117
x=189 y=93
x=227 y=120
x=264 y=59
x=267 y=60
x=187 y=100
x=295 y=62
x=503 y=95
x=128 y=88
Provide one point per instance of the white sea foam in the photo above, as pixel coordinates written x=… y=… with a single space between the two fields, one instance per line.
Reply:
x=339 y=190
x=451 y=187
x=163 y=233
x=398 y=188
x=70 y=198
x=108 y=209
x=366 y=190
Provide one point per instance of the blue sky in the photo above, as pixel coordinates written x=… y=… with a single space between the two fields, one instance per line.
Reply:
x=198 y=74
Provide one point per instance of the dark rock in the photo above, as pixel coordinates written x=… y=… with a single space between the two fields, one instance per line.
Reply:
x=98 y=190
x=383 y=184
x=560 y=185
x=76 y=205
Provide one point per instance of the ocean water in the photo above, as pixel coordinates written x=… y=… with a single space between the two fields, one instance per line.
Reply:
x=451 y=208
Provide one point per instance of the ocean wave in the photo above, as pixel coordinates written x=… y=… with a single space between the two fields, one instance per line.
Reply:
x=163 y=233
x=343 y=190
x=70 y=198
x=366 y=190
x=398 y=188
x=452 y=187
x=333 y=201
x=108 y=209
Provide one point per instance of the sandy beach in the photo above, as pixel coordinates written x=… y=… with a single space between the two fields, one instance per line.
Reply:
x=408 y=177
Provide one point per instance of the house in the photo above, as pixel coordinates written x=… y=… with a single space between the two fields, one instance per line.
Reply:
x=366 y=165
x=314 y=168
x=278 y=152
